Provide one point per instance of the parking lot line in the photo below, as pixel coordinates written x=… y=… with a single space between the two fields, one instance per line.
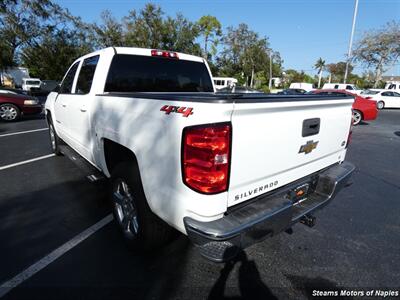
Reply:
x=26 y=161
x=22 y=132
x=55 y=254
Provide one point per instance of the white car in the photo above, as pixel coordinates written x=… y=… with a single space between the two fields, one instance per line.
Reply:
x=29 y=84
x=227 y=170
x=342 y=86
x=384 y=99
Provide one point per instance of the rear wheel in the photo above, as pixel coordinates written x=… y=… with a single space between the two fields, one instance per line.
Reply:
x=9 y=112
x=357 y=117
x=381 y=105
x=141 y=229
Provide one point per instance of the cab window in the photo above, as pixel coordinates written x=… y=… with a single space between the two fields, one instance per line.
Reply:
x=86 y=75
x=66 y=86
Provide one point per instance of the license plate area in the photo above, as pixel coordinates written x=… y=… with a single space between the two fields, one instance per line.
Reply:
x=301 y=192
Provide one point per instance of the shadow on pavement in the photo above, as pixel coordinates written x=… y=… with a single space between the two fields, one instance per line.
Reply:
x=251 y=285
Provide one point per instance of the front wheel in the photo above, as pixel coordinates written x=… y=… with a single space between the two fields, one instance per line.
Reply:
x=55 y=140
x=9 y=112
x=140 y=227
x=381 y=105
x=357 y=117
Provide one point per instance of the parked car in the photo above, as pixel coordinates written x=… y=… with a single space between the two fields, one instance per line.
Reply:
x=342 y=86
x=302 y=86
x=31 y=84
x=291 y=91
x=384 y=99
x=226 y=170
x=224 y=82
x=4 y=90
x=13 y=106
x=238 y=90
x=363 y=109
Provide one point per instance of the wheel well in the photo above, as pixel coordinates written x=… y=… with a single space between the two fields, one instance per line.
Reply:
x=48 y=116
x=19 y=107
x=115 y=153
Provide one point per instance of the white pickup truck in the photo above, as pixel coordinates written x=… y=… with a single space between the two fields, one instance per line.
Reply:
x=228 y=170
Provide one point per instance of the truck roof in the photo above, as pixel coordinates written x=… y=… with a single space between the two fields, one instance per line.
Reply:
x=143 y=52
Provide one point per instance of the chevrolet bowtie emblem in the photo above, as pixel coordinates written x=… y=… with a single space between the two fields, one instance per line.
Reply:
x=308 y=147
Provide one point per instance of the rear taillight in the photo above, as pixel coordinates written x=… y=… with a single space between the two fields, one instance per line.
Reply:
x=163 y=53
x=206 y=157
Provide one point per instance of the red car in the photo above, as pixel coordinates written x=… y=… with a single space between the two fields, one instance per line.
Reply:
x=13 y=106
x=363 y=109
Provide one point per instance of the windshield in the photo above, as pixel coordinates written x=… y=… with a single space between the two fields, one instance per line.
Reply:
x=369 y=92
x=134 y=73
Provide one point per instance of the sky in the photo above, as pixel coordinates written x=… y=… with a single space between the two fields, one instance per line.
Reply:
x=301 y=30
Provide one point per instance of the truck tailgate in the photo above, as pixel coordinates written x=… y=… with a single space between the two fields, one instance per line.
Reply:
x=277 y=142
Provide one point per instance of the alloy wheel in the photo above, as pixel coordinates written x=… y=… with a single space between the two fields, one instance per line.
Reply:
x=125 y=209
x=8 y=112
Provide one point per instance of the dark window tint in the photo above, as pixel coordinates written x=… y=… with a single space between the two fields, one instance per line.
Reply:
x=86 y=74
x=133 y=73
x=336 y=86
x=396 y=94
x=387 y=94
x=66 y=86
x=349 y=87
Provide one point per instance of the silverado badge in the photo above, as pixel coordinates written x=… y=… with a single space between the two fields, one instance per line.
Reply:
x=308 y=147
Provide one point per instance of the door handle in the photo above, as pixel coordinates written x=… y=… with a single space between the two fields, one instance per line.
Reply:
x=83 y=109
x=64 y=105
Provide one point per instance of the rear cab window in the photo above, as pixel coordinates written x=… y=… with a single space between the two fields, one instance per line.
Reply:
x=86 y=75
x=136 y=73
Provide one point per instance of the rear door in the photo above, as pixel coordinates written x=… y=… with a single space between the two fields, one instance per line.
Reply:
x=275 y=143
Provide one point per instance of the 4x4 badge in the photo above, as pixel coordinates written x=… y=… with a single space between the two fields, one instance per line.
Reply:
x=185 y=111
x=308 y=147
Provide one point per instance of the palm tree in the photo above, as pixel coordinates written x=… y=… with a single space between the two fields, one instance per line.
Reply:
x=319 y=65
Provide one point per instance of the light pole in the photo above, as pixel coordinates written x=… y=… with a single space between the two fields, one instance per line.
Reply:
x=270 y=71
x=351 y=41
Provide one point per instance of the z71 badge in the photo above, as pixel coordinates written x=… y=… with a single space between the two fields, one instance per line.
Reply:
x=185 y=111
x=308 y=147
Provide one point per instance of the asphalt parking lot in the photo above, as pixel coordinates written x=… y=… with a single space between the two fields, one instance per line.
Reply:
x=47 y=203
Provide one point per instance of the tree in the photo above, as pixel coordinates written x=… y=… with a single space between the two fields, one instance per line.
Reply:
x=53 y=54
x=210 y=30
x=145 y=28
x=379 y=49
x=109 y=33
x=23 y=21
x=244 y=53
x=319 y=65
x=337 y=70
x=295 y=76
x=148 y=28
x=179 y=34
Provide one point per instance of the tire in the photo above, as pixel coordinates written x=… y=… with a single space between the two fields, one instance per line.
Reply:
x=54 y=140
x=357 y=117
x=141 y=229
x=380 y=105
x=9 y=112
